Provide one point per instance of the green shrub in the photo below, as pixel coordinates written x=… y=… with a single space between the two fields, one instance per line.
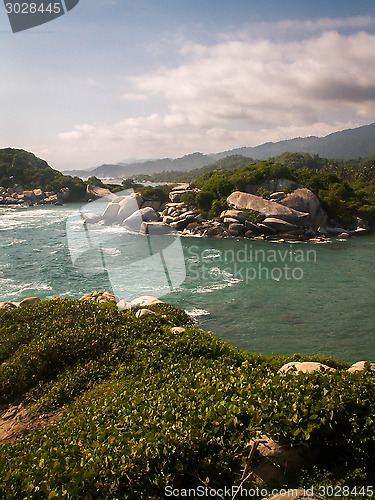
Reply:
x=151 y=408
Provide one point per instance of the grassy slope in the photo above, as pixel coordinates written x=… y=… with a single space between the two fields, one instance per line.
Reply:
x=145 y=408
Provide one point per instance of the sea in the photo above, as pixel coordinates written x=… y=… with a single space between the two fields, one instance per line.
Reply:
x=259 y=296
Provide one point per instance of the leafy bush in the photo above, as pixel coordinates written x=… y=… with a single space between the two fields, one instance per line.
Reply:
x=164 y=409
x=158 y=193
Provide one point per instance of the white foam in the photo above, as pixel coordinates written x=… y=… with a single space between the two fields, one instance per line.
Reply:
x=197 y=312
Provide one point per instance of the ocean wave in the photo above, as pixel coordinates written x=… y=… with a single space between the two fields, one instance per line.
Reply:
x=12 y=243
x=195 y=312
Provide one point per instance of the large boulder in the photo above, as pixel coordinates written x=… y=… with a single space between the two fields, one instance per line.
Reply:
x=145 y=300
x=134 y=221
x=276 y=464
x=305 y=367
x=176 y=193
x=234 y=214
x=111 y=212
x=279 y=224
x=39 y=194
x=29 y=301
x=64 y=193
x=100 y=297
x=242 y=201
x=7 y=306
x=181 y=186
x=304 y=200
x=157 y=229
x=29 y=195
x=236 y=229
x=96 y=192
x=360 y=366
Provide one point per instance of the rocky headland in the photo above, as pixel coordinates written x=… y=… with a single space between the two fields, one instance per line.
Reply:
x=291 y=212
x=18 y=196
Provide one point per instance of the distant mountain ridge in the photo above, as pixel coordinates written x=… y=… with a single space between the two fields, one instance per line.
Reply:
x=346 y=144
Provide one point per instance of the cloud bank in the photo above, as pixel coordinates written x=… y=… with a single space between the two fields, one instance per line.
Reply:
x=244 y=91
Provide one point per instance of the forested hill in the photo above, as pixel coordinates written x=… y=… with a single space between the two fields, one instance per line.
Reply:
x=360 y=169
x=21 y=167
x=346 y=144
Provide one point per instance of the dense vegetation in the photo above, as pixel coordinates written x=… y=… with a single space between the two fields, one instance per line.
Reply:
x=346 y=189
x=23 y=168
x=146 y=408
x=229 y=162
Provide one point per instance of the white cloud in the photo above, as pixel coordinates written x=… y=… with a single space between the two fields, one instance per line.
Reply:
x=293 y=27
x=244 y=92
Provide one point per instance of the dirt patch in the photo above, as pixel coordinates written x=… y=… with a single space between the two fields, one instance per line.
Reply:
x=17 y=421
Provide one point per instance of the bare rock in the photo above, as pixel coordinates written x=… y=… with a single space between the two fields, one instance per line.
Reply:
x=240 y=201
x=238 y=215
x=305 y=367
x=100 y=297
x=278 y=464
x=236 y=229
x=279 y=224
x=181 y=186
x=178 y=330
x=135 y=220
x=144 y=312
x=7 y=306
x=157 y=229
x=29 y=301
x=360 y=366
x=145 y=300
x=304 y=200
x=96 y=192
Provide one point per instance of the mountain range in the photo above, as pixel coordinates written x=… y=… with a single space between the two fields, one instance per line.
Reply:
x=346 y=144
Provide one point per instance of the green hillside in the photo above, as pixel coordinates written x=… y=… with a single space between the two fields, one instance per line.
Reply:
x=144 y=407
x=21 y=167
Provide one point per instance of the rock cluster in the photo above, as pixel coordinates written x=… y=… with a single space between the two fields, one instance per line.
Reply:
x=7 y=306
x=18 y=196
x=297 y=367
x=134 y=212
x=294 y=215
x=100 y=297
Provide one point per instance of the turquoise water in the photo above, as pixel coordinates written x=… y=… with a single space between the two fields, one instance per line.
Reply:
x=322 y=303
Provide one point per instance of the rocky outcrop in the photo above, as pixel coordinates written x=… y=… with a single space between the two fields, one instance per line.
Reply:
x=7 y=306
x=304 y=200
x=29 y=301
x=178 y=191
x=240 y=201
x=144 y=313
x=143 y=301
x=100 y=297
x=157 y=229
x=361 y=366
x=279 y=224
x=17 y=196
x=96 y=192
x=135 y=220
x=276 y=465
x=305 y=367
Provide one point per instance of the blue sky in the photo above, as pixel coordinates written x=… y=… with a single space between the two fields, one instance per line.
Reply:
x=112 y=79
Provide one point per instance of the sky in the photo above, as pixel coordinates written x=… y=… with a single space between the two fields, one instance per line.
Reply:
x=116 y=80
